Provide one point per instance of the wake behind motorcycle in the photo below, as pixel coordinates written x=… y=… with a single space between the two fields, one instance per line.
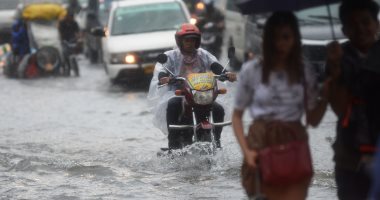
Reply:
x=199 y=91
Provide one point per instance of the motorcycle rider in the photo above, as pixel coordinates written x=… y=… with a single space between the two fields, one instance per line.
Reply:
x=214 y=15
x=189 y=58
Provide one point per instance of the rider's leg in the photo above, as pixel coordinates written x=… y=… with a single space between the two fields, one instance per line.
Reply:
x=218 y=114
x=173 y=115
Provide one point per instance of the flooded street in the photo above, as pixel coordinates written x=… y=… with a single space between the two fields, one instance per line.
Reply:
x=83 y=138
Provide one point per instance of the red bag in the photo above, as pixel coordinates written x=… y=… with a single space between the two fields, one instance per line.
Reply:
x=32 y=70
x=286 y=163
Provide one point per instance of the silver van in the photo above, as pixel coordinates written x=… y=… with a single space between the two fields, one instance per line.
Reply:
x=242 y=31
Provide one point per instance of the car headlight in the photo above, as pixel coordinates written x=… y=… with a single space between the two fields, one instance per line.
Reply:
x=130 y=59
x=203 y=97
x=124 y=58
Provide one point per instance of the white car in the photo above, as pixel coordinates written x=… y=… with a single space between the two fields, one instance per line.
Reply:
x=137 y=32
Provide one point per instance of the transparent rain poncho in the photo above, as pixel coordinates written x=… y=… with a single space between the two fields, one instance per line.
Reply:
x=179 y=65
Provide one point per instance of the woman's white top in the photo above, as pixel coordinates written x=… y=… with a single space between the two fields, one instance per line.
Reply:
x=276 y=100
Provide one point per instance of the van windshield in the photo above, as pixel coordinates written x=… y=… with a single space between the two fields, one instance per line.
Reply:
x=147 y=18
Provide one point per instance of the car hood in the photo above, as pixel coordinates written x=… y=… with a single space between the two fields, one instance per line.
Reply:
x=140 y=42
x=321 y=33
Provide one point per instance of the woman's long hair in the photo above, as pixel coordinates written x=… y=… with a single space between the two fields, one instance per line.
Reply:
x=294 y=65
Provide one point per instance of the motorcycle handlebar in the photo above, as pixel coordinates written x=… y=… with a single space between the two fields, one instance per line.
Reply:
x=221 y=77
x=174 y=80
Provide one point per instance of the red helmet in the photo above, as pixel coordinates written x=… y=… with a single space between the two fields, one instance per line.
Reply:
x=188 y=30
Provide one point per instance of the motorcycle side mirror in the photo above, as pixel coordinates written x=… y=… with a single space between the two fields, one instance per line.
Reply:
x=231 y=52
x=98 y=31
x=162 y=58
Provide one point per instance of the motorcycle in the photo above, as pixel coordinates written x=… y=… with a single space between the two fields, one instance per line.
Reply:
x=199 y=91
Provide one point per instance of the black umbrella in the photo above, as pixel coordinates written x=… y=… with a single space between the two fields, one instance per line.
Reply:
x=262 y=6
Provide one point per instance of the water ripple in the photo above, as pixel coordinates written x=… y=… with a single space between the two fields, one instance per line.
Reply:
x=95 y=170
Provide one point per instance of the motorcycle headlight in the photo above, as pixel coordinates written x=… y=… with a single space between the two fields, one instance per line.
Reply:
x=130 y=59
x=203 y=97
x=193 y=21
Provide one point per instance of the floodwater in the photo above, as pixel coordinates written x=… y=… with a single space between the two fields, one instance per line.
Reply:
x=83 y=138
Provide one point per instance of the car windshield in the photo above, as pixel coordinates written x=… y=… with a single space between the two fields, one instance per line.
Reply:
x=8 y=4
x=147 y=18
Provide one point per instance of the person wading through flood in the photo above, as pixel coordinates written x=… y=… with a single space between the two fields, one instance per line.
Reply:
x=272 y=88
x=188 y=58
x=355 y=97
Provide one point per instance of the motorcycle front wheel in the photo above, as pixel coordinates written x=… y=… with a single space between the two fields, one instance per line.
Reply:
x=204 y=135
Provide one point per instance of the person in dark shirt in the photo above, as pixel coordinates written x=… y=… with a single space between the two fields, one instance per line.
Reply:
x=355 y=97
x=68 y=28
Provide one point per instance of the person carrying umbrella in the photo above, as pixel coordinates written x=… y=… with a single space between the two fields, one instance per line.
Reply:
x=278 y=89
x=355 y=72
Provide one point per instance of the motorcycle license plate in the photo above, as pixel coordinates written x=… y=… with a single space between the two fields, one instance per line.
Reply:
x=149 y=69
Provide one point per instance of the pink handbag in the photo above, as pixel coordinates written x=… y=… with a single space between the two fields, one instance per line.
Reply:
x=286 y=163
